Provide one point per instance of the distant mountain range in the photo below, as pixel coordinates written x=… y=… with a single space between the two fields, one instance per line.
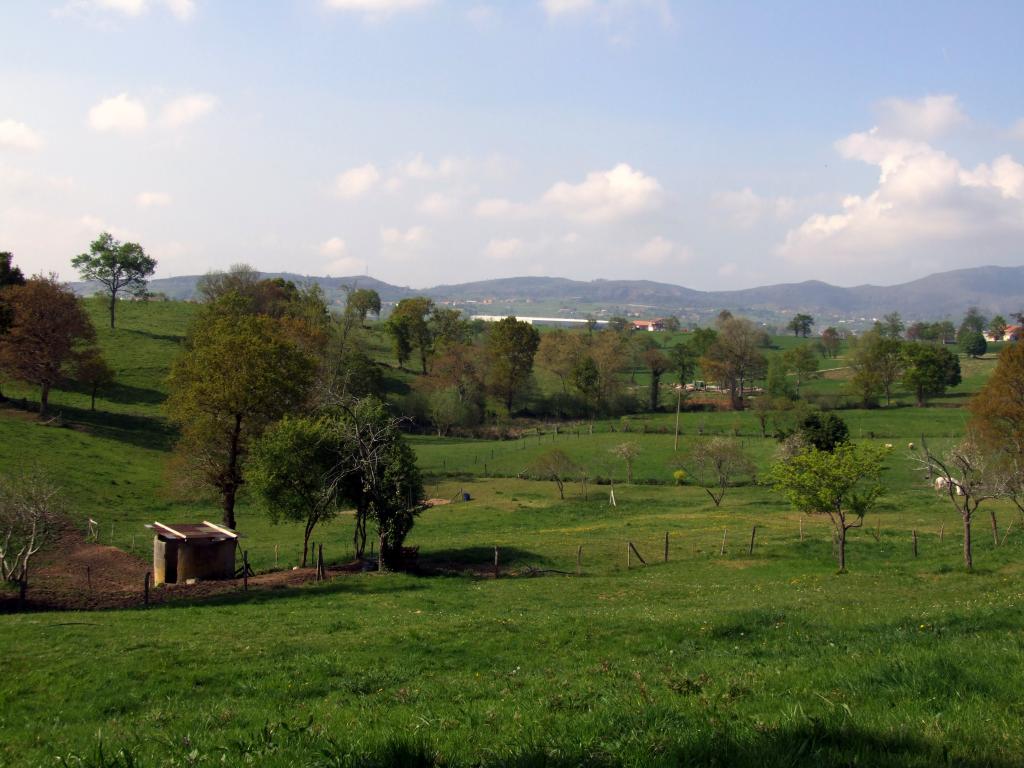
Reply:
x=937 y=296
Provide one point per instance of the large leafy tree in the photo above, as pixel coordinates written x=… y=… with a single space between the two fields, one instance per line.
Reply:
x=997 y=327
x=930 y=370
x=802 y=363
x=48 y=327
x=831 y=341
x=733 y=359
x=238 y=373
x=289 y=471
x=362 y=302
x=409 y=326
x=891 y=326
x=877 y=362
x=684 y=361
x=375 y=472
x=510 y=346
x=842 y=485
x=801 y=325
x=657 y=363
x=116 y=266
x=997 y=419
x=9 y=275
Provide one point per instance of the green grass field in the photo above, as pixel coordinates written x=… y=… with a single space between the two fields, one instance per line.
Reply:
x=713 y=658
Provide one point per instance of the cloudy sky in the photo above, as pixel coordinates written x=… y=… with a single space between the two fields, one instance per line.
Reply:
x=713 y=145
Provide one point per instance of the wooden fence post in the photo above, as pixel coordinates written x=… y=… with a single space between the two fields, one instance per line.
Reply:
x=579 y=559
x=145 y=589
x=801 y=529
x=496 y=561
x=628 y=563
x=725 y=534
x=942 y=527
x=666 y=546
x=88 y=577
x=245 y=570
x=637 y=553
x=914 y=534
x=753 y=533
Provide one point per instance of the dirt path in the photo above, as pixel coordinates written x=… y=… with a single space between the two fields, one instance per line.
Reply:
x=79 y=575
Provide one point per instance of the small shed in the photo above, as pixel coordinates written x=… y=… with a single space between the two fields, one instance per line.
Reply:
x=193 y=551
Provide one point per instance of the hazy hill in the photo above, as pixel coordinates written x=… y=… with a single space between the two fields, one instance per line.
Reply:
x=945 y=294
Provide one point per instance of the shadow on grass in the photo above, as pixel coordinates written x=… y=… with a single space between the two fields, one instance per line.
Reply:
x=140 y=431
x=342 y=585
x=120 y=393
x=172 y=337
x=816 y=743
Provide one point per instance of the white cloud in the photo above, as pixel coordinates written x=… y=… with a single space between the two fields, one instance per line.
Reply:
x=501 y=249
x=411 y=237
x=659 y=250
x=152 y=200
x=500 y=208
x=334 y=246
x=356 y=182
x=565 y=7
x=421 y=170
x=746 y=208
x=605 y=195
x=118 y=114
x=187 y=109
x=183 y=10
x=483 y=16
x=1017 y=131
x=377 y=9
x=923 y=118
x=15 y=135
x=927 y=209
x=608 y=12
x=438 y=204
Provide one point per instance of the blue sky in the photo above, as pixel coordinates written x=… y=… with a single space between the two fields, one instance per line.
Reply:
x=713 y=145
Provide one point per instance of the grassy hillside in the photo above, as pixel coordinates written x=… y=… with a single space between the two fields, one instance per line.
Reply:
x=713 y=658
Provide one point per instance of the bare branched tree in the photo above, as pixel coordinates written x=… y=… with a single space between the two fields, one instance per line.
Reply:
x=29 y=509
x=968 y=476
x=717 y=463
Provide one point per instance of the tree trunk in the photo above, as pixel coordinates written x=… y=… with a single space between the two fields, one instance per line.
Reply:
x=842 y=548
x=561 y=490
x=44 y=400
x=305 y=540
x=231 y=488
x=968 y=559
x=113 y=305
x=655 y=380
x=92 y=405
x=995 y=528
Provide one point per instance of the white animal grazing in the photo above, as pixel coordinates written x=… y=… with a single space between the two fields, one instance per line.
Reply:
x=941 y=483
x=910 y=446
x=888 y=446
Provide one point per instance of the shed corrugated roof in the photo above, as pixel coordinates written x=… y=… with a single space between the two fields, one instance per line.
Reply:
x=194 y=531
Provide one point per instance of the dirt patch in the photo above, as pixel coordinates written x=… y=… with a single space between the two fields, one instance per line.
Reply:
x=77 y=575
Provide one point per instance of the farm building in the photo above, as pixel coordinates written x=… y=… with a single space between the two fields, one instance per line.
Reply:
x=1011 y=333
x=192 y=551
x=649 y=325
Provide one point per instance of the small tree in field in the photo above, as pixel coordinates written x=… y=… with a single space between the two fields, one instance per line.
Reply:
x=717 y=462
x=92 y=371
x=628 y=453
x=967 y=476
x=289 y=469
x=843 y=485
x=30 y=507
x=116 y=266
x=556 y=465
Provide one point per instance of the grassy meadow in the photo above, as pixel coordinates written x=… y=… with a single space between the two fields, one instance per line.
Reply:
x=718 y=656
